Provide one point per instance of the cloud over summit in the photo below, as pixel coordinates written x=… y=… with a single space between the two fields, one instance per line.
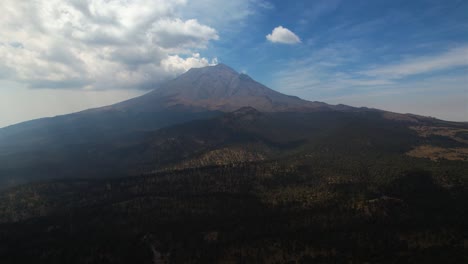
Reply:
x=102 y=44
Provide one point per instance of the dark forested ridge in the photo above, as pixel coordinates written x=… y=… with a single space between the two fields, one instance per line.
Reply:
x=252 y=187
x=299 y=210
x=162 y=179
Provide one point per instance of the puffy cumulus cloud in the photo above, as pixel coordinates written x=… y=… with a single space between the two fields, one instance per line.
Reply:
x=99 y=44
x=283 y=35
x=177 y=34
x=179 y=65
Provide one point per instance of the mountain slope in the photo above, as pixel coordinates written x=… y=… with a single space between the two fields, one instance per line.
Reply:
x=31 y=150
x=219 y=88
x=249 y=135
x=123 y=138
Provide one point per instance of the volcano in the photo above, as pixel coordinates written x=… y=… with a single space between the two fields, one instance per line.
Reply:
x=218 y=88
x=126 y=137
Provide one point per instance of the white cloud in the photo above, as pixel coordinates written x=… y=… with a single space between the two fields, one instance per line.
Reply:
x=109 y=44
x=283 y=35
x=176 y=34
x=179 y=65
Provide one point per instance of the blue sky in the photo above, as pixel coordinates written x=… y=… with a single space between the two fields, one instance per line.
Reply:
x=404 y=56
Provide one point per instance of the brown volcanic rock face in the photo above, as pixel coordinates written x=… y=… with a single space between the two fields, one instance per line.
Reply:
x=219 y=88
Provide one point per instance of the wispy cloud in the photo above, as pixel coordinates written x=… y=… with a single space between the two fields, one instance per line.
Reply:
x=328 y=75
x=320 y=8
x=264 y=4
x=331 y=69
x=450 y=59
x=318 y=71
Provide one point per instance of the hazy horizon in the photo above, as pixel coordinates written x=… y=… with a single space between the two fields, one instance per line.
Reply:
x=66 y=102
